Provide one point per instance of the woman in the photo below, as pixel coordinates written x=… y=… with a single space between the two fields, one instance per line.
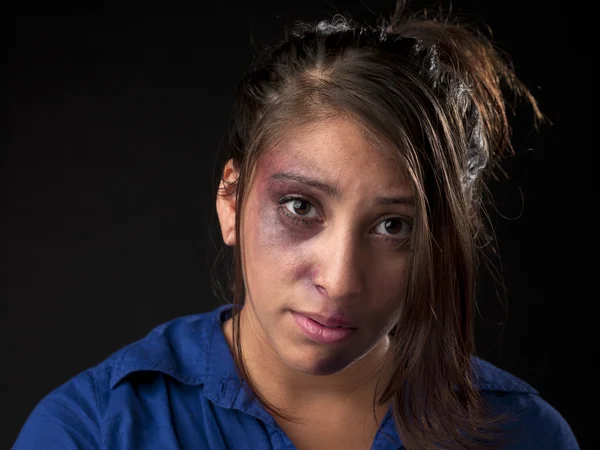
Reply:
x=351 y=197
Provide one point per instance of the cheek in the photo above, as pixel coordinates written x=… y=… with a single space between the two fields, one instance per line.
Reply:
x=276 y=252
x=388 y=282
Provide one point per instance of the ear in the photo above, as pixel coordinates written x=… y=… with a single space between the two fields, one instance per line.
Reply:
x=226 y=203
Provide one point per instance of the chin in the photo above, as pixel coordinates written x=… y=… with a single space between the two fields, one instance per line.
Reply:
x=319 y=365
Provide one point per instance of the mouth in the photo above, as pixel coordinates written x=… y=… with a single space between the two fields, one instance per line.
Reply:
x=317 y=331
x=323 y=325
x=336 y=320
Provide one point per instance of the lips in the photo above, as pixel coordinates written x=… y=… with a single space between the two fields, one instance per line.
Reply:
x=335 y=320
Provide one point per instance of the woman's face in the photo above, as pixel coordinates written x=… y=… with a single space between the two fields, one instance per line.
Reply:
x=324 y=223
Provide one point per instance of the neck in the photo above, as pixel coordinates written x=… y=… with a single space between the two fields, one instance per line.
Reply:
x=351 y=389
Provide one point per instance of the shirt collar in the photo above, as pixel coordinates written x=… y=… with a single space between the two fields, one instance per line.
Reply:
x=193 y=350
x=223 y=384
x=177 y=348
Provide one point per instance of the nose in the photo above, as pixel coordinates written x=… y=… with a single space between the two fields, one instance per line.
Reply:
x=339 y=270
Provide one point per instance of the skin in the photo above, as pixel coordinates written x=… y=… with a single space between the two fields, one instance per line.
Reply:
x=320 y=255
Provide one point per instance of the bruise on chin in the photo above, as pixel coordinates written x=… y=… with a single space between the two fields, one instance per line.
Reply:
x=329 y=366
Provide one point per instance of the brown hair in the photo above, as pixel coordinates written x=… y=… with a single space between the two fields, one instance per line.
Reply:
x=431 y=91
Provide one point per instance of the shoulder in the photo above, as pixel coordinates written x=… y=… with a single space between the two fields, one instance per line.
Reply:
x=490 y=378
x=65 y=418
x=177 y=348
x=535 y=422
x=71 y=415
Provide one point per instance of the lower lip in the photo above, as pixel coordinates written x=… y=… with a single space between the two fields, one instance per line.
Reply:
x=319 y=333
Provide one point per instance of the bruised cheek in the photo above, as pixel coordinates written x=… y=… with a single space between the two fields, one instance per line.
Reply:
x=279 y=249
x=276 y=243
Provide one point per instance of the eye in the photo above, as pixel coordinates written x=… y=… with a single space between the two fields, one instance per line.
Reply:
x=299 y=206
x=298 y=209
x=302 y=212
x=394 y=228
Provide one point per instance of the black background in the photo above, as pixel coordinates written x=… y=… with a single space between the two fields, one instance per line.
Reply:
x=111 y=122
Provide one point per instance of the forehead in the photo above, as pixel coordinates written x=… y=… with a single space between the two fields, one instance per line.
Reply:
x=337 y=151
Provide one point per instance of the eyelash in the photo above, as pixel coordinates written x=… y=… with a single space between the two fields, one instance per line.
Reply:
x=305 y=222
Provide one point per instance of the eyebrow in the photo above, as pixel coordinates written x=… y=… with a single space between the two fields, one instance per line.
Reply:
x=335 y=193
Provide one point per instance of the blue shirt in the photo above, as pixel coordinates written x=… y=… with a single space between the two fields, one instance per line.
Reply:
x=177 y=388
